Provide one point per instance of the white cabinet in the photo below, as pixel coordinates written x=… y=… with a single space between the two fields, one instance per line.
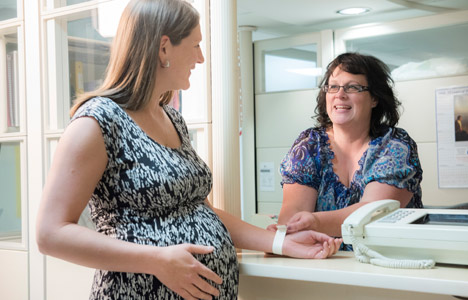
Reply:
x=14 y=275
x=13 y=139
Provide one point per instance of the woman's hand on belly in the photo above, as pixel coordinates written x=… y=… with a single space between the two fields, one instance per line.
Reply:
x=310 y=244
x=177 y=268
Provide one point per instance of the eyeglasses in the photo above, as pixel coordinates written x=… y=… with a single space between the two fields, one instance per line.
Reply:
x=349 y=89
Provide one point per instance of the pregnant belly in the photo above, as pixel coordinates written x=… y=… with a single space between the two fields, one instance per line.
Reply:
x=203 y=227
x=197 y=224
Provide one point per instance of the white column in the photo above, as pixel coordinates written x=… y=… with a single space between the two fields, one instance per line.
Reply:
x=247 y=138
x=225 y=105
x=3 y=86
x=35 y=155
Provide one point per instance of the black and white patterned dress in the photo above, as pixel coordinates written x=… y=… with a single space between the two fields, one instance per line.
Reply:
x=154 y=195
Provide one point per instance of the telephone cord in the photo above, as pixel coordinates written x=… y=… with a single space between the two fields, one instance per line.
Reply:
x=366 y=255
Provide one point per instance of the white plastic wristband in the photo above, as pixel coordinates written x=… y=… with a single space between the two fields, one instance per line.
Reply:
x=277 y=247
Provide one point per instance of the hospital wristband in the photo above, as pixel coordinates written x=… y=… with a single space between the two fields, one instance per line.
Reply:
x=277 y=247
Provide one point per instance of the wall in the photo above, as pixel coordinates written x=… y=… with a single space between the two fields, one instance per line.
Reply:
x=279 y=118
x=419 y=119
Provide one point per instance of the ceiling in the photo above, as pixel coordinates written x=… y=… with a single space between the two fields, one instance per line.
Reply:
x=275 y=18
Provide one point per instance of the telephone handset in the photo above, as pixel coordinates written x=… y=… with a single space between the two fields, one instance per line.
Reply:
x=366 y=216
x=354 y=223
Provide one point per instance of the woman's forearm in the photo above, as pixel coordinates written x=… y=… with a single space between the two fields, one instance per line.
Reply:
x=329 y=222
x=83 y=246
x=245 y=235
x=304 y=244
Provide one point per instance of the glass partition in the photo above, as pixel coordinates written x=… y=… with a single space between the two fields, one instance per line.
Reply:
x=10 y=199
x=434 y=52
x=291 y=63
x=291 y=68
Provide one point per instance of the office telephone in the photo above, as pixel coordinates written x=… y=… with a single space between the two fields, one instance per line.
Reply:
x=382 y=228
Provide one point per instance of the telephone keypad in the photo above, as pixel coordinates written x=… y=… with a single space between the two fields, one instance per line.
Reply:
x=396 y=216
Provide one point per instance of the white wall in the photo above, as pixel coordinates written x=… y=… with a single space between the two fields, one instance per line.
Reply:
x=419 y=119
x=279 y=118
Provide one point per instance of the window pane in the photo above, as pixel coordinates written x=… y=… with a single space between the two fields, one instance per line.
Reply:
x=9 y=83
x=10 y=185
x=291 y=68
x=78 y=52
x=51 y=4
x=88 y=56
x=8 y=9
x=426 y=53
x=71 y=2
x=61 y=3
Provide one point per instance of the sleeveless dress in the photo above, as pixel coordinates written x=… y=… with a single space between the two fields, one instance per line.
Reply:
x=391 y=158
x=154 y=195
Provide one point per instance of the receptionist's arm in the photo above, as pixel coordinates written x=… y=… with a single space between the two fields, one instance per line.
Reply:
x=299 y=201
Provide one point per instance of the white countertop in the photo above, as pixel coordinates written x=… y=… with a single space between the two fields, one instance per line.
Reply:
x=344 y=269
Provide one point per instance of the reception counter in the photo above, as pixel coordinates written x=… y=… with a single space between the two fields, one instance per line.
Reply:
x=268 y=277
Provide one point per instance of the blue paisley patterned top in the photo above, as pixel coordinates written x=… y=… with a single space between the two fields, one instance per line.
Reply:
x=154 y=195
x=391 y=159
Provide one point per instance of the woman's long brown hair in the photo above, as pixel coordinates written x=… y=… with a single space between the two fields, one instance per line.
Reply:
x=131 y=72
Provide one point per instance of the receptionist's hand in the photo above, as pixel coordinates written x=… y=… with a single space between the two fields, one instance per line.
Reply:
x=272 y=227
x=303 y=220
x=310 y=244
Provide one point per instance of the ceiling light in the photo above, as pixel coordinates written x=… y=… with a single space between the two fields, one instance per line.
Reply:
x=353 y=11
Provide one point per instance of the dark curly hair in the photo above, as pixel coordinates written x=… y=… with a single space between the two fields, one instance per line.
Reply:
x=380 y=87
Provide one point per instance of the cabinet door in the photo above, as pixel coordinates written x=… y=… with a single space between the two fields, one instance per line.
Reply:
x=13 y=229
x=12 y=205
x=11 y=82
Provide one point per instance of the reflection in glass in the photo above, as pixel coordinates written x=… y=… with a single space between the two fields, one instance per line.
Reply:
x=291 y=68
x=78 y=56
x=8 y=9
x=9 y=84
x=88 y=56
x=10 y=187
x=434 y=52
